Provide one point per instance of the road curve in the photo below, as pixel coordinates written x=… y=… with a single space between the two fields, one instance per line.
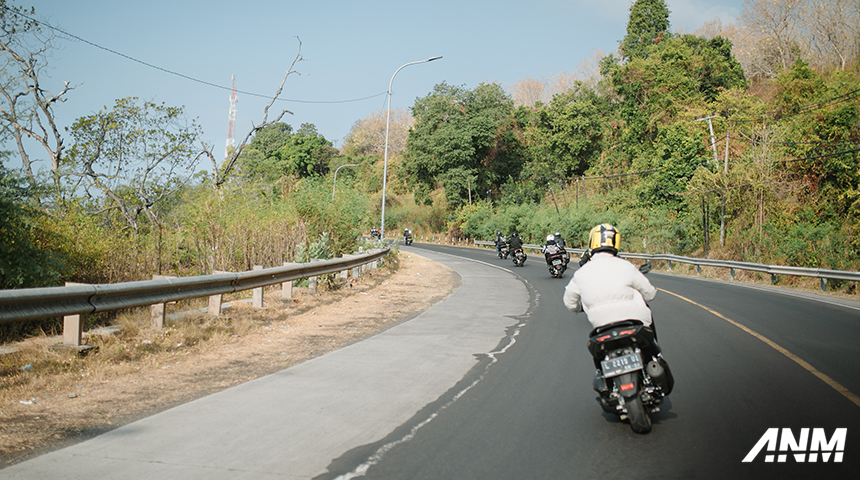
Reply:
x=292 y=424
x=533 y=415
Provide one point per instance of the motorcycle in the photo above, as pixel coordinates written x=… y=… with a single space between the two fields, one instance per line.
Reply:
x=519 y=257
x=632 y=377
x=407 y=239
x=504 y=251
x=556 y=260
x=375 y=234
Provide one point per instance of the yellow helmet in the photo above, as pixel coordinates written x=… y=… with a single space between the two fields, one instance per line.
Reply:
x=604 y=238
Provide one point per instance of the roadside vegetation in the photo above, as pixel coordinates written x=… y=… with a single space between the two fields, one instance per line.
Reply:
x=130 y=191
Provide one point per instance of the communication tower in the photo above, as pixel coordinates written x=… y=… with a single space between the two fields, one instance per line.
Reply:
x=231 y=125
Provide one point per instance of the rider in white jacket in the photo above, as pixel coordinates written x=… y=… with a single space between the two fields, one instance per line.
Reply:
x=609 y=289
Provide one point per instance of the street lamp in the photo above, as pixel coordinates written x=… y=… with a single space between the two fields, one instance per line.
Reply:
x=334 y=183
x=387 y=126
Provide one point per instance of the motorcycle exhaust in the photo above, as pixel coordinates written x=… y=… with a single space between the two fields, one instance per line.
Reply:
x=657 y=373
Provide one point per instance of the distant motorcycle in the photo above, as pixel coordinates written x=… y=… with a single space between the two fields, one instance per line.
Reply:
x=504 y=251
x=519 y=257
x=374 y=233
x=407 y=238
x=557 y=259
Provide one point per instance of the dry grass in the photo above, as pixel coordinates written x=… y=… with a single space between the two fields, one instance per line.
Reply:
x=60 y=397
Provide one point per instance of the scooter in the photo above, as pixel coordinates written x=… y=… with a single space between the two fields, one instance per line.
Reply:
x=556 y=260
x=519 y=257
x=504 y=251
x=632 y=377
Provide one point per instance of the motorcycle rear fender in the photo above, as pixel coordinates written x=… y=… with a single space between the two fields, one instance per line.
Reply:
x=628 y=384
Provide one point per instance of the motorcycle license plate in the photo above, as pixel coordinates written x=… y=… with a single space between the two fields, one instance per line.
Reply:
x=556 y=262
x=621 y=365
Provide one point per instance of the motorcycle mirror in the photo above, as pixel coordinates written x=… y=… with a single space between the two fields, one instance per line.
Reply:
x=646 y=267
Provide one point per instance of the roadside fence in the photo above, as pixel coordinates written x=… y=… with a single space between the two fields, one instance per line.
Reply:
x=74 y=300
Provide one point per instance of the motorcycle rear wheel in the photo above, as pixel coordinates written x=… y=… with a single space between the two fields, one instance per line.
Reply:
x=640 y=422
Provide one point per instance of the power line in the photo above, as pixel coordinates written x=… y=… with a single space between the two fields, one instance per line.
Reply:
x=171 y=72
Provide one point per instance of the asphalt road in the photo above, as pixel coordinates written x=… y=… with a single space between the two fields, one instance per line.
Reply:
x=495 y=383
x=533 y=414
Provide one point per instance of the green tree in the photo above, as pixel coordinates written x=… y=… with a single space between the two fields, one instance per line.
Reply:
x=307 y=154
x=565 y=136
x=458 y=142
x=681 y=74
x=133 y=157
x=27 y=258
x=276 y=151
x=647 y=25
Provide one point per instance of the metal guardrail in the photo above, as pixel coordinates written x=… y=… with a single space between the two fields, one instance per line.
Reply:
x=773 y=270
x=52 y=302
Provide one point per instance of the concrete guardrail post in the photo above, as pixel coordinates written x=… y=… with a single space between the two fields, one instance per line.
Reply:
x=731 y=273
x=823 y=284
x=216 y=301
x=312 y=281
x=257 y=297
x=287 y=287
x=158 y=311
x=73 y=327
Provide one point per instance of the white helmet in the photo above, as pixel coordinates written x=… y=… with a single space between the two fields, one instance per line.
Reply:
x=550 y=240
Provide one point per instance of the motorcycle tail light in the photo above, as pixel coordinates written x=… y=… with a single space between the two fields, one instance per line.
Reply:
x=627 y=386
x=630 y=331
x=602 y=338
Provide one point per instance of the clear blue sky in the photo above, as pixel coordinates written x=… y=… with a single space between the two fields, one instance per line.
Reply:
x=351 y=49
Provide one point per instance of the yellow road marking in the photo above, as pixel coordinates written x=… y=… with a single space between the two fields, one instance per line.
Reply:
x=833 y=383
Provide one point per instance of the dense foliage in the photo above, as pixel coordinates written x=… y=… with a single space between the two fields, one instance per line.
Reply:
x=674 y=146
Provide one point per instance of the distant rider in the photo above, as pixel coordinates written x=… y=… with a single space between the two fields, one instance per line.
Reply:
x=500 y=240
x=559 y=240
x=549 y=248
x=515 y=242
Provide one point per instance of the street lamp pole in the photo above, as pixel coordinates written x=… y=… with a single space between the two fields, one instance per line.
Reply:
x=387 y=126
x=334 y=183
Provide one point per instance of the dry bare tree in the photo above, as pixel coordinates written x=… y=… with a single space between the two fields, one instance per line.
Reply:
x=530 y=91
x=367 y=136
x=834 y=32
x=26 y=103
x=221 y=172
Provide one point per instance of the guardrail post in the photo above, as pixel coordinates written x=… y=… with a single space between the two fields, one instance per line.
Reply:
x=732 y=273
x=823 y=284
x=73 y=327
x=257 y=298
x=670 y=265
x=698 y=269
x=312 y=281
x=287 y=287
x=216 y=301
x=159 y=310
x=156 y=316
x=773 y=279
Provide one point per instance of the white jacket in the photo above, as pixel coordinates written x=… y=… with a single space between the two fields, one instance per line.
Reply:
x=610 y=289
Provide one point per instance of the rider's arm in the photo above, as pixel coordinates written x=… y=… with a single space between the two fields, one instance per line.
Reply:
x=641 y=283
x=572 y=299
